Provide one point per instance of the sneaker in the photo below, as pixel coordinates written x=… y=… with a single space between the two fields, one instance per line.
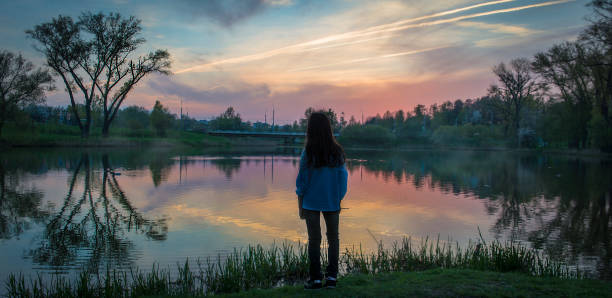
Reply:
x=313 y=284
x=330 y=283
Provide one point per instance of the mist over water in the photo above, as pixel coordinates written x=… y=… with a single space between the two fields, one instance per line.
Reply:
x=65 y=210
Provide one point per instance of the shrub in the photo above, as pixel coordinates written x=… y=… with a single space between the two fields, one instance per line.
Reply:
x=366 y=135
x=473 y=135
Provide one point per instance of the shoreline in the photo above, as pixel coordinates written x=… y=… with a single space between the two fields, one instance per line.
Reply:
x=284 y=267
x=568 y=152
x=406 y=268
x=203 y=141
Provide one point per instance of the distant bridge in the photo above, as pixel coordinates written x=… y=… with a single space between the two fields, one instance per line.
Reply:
x=288 y=136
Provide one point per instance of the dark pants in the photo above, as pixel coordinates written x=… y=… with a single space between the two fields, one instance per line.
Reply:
x=314 y=242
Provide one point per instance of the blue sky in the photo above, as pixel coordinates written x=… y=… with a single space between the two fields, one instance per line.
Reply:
x=348 y=55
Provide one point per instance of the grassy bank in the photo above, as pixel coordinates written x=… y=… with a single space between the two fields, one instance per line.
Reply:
x=446 y=283
x=417 y=147
x=50 y=135
x=257 y=267
x=184 y=139
x=69 y=136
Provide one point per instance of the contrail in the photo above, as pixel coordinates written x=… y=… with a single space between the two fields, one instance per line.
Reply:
x=391 y=27
x=362 y=32
x=335 y=45
x=439 y=14
x=331 y=38
x=371 y=58
x=470 y=16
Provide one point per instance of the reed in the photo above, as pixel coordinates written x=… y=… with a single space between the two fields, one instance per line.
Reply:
x=260 y=267
x=493 y=256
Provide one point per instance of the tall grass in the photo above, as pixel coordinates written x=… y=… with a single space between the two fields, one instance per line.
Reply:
x=493 y=256
x=259 y=267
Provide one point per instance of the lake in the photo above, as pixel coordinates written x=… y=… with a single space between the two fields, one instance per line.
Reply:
x=65 y=210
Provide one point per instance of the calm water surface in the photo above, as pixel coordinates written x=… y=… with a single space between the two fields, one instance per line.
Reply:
x=64 y=210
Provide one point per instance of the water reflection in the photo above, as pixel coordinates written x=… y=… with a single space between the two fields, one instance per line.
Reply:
x=229 y=166
x=93 y=220
x=559 y=204
x=20 y=207
x=198 y=204
x=160 y=168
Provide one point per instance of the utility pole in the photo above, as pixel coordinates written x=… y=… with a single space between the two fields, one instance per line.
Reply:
x=182 y=126
x=361 y=117
x=272 y=118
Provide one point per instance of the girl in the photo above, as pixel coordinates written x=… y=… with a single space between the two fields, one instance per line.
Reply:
x=321 y=185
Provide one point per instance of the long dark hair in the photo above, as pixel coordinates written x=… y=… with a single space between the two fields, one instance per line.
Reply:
x=322 y=150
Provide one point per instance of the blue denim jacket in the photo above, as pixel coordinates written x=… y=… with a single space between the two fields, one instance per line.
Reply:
x=322 y=188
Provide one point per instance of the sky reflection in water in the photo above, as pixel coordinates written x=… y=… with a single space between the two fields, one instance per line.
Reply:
x=63 y=210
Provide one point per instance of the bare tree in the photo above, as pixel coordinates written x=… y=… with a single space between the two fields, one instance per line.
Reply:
x=64 y=48
x=565 y=67
x=96 y=56
x=582 y=73
x=517 y=87
x=20 y=83
x=600 y=30
x=598 y=39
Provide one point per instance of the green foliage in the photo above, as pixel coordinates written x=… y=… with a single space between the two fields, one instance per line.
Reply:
x=133 y=117
x=413 y=130
x=228 y=120
x=34 y=134
x=556 y=124
x=472 y=135
x=373 y=135
x=600 y=133
x=161 y=119
x=20 y=84
x=336 y=123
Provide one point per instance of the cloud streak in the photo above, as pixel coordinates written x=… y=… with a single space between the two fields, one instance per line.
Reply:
x=226 y=93
x=498 y=28
x=386 y=28
x=332 y=38
x=366 y=59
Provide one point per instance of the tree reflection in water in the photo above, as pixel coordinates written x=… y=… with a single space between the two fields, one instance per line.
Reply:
x=229 y=166
x=559 y=204
x=19 y=207
x=160 y=169
x=91 y=225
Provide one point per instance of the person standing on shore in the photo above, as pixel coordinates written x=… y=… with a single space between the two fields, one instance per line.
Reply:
x=321 y=185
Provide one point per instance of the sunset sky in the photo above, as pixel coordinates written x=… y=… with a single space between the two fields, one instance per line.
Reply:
x=348 y=55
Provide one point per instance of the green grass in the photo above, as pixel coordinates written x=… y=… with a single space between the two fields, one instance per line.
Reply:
x=49 y=135
x=257 y=267
x=446 y=283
